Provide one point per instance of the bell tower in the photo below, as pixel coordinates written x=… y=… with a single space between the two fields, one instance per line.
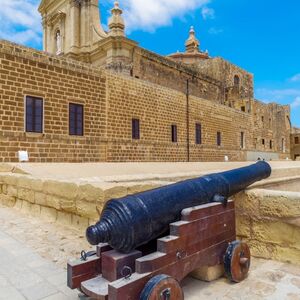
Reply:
x=71 y=27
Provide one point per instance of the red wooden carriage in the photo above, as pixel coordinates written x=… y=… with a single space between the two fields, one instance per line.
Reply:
x=205 y=236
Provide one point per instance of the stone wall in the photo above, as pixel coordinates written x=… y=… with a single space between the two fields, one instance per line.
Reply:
x=295 y=144
x=70 y=203
x=271 y=128
x=269 y=221
x=159 y=108
x=225 y=72
x=58 y=81
x=110 y=102
x=157 y=69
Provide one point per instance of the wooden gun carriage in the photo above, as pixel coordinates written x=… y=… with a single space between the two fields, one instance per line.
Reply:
x=205 y=236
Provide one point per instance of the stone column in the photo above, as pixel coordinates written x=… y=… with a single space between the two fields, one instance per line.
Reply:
x=84 y=23
x=75 y=25
x=45 y=35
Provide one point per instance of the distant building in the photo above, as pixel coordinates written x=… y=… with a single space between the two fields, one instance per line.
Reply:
x=295 y=143
x=94 y=96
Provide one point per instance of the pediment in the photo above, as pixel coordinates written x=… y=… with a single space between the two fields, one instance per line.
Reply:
x=55 y=17
x=45 y=4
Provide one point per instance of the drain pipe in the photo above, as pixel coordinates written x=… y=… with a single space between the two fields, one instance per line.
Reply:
x=188 y=119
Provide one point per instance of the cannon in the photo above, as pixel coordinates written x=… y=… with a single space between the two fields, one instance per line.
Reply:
x=148 y=242
x=132 y=221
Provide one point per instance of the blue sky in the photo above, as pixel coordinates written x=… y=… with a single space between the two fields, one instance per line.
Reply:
x=262 y=37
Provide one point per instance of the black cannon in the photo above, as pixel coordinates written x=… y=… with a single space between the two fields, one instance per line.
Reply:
x=132 y=221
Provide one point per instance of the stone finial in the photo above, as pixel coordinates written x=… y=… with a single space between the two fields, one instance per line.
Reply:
x=116 y=23
x=192 y=44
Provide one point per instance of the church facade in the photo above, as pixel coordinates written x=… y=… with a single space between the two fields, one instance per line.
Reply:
x=94 y=96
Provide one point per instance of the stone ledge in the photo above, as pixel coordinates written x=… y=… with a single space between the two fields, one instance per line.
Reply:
x=270 y=222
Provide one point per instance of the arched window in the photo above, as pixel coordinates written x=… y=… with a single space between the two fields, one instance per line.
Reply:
x=236 y=81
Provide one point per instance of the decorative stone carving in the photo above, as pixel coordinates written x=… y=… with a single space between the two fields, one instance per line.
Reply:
x=79 y=25
x=192 y=44
x=193 y=54
x=54 y=18
x=119 y=67
x=58 y=43
x=116 y=22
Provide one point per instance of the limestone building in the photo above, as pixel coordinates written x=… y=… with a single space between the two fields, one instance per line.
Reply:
x=95 y=96
x=295 y=143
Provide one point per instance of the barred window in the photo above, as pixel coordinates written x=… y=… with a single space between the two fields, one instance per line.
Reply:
x=242 y=140
x=198 y=134
x=174 y=133
x=135 y=129
x=219 y=138
x=34 y=114
x=76 y=119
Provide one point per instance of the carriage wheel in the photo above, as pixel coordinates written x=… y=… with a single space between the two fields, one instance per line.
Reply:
x=237 y=261
x=162 y=287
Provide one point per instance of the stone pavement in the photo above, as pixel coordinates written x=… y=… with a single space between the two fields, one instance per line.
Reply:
x=33 y=255
x=122 y=172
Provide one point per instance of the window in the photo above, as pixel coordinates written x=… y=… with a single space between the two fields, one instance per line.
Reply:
x=135 y=129
x=34 y=114
x=243 y=108
x=236 y=81
x=262 y=119
x=242 y=140
x=174 y=133
x=271 y=144
x=296 y=140
x=75 y=119
x=263 y=141
x=219 y=139
x=198 y=134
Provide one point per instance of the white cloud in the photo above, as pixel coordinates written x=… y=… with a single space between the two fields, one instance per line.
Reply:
x=295 y=78
x=151 y=14
x=215 y=31
x=208 y=13
x=20 y=21
x=296 y=103
x=277 y=94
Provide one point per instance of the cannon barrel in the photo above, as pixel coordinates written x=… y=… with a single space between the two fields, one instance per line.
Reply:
x=135 y=220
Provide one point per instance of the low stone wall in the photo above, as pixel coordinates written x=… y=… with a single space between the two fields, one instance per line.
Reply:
x=71 y=203
x=270 y=222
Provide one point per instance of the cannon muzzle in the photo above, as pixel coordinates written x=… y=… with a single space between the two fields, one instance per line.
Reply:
x=134 y=220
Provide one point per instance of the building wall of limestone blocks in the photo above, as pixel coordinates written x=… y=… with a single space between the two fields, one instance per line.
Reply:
x=110 y=102
x=295 y=143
